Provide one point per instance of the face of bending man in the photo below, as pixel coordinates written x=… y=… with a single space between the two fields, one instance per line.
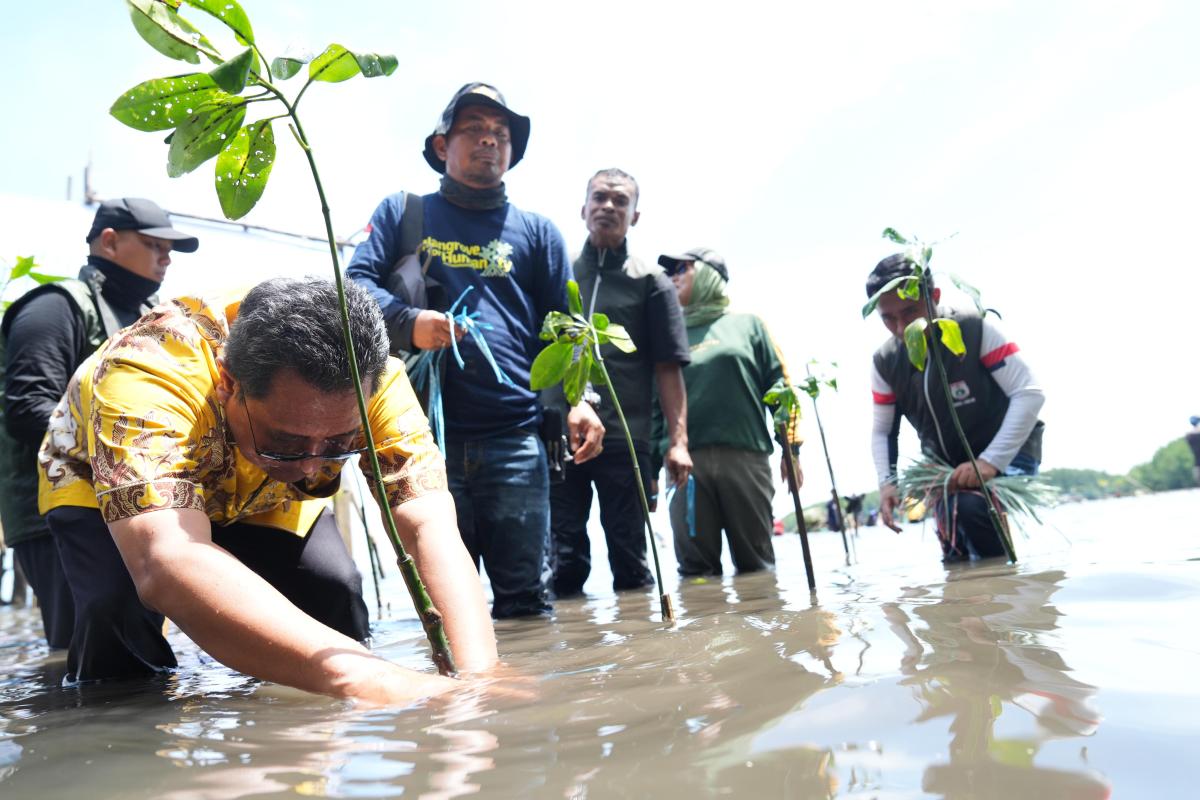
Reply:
x=293 y=417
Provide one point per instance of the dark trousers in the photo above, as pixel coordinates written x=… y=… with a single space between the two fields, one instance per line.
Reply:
x=39 y=560
x=733 y=494
x=500 y=486
x=620 y=515
x=965 y=528
x=118 y=637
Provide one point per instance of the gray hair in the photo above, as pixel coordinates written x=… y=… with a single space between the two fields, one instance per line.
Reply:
x=296 y=323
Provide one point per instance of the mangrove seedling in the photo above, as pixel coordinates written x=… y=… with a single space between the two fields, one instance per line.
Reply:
x=921 y=338
x=782 y=398
x=24 y=267
x=206 y=114
x=573 y=359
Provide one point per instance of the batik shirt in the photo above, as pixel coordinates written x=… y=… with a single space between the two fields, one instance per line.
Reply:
x=140 y=429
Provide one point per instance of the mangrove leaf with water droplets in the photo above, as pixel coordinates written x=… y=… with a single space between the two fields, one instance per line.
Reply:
x=202 y=135
x=167 y=32
x=163 y=103
x=230 y=13
x=233 y=74
x=243 y=167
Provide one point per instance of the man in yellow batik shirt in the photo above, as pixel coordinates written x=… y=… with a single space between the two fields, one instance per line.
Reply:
x=186 y=474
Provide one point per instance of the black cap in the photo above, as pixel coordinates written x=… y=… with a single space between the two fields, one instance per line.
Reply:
x=144 y=216
x=705 y=254
x=478 y=94
x=897 y=265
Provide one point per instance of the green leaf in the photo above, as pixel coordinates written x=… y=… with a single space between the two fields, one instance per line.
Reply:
x=971 y=292
x=230 y=13
x=596 y=376
x=890 y=233
x=243 y=167
x=233 y=74
x=374 y=65
x=926 y=255
x=23 y=267
x=887 y=287
x=43 y=278
x=287 y=66
x=600 y=321
x=551 y=365
x=575 y=379
x=167 y=32
x=952 y=336
x=202 y=135
x=163 y=103
x=832 y=383
x=556 y=325
x=619 y=338
x=910 y=289
x=334 y=65
x=574 y=304
x=915 y=344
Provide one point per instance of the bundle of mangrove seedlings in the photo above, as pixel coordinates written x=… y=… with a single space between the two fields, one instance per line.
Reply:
x=928 y=480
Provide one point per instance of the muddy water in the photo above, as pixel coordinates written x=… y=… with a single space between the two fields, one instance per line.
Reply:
x=1072 y=675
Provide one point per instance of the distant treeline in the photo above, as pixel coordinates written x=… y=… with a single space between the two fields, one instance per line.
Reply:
x=1170 y=468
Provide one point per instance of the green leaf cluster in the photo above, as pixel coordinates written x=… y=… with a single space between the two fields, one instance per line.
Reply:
x=206 y=111
x=782 y=398
x=24 y=267
x=573 y=355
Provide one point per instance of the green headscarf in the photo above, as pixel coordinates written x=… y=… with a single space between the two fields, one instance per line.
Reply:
x=708 y=301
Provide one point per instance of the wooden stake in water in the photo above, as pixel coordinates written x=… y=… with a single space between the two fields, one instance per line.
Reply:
x=800 y=524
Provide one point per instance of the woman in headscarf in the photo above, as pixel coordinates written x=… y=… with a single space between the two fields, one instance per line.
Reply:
x=734 y=363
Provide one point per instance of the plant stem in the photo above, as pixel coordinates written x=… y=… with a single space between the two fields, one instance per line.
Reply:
x=936 y=354
x=431 y=619
x=837 y=503
x=801 y=526
x=664 y=599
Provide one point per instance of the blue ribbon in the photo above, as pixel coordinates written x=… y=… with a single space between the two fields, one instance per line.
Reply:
x=691 y=504
x=428 y=367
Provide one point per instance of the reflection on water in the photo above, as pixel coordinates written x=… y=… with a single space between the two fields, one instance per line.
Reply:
x=903 y=681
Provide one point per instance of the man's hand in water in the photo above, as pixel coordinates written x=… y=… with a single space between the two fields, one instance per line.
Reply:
x=889 y=501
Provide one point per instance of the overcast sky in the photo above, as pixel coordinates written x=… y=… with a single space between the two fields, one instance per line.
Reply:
x=1057 y=139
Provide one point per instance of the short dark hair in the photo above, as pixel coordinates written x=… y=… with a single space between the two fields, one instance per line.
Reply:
x=612 y=173
x=897 y=265
x=296 y=323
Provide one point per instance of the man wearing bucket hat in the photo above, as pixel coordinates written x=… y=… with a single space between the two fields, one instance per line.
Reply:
x=734 y=363
x=44 y=336
x=511 y=268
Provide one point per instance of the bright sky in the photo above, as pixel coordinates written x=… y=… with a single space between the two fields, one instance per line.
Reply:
x=1059 y=140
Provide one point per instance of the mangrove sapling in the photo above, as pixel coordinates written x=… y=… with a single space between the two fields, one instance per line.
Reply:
x=573 y=358
x=812 y=388
x=920 y=345
x=205 y=112
x=24 y=267
x=782 y=397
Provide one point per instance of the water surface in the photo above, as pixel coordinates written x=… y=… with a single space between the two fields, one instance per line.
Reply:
x=1071 y=675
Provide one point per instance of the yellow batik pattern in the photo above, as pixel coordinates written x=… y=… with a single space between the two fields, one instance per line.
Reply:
x=140 y=429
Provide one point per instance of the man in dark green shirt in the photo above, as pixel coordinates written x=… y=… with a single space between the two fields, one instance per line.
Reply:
x=642 y=299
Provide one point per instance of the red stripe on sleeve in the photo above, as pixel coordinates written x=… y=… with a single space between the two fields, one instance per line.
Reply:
x=998 y=355
x=883 y=399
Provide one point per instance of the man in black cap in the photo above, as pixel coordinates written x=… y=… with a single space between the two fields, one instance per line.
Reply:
x=641 y=298
x=466 y=237
x=44 y=336
x=996 y=399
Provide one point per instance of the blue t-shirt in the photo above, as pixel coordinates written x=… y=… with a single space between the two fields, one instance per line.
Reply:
x=516 y=260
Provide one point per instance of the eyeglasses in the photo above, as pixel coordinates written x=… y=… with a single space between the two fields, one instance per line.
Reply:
x=677 y=268
x=270 y=455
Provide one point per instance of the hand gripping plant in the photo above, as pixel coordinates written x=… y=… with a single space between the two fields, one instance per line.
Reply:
x=782 y=397
x=205 y=112
x=920 y=344
x=573 y=358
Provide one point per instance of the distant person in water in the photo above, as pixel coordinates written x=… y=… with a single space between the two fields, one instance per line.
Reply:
x=1193 y=440
x=997 y=399
x=186 y=474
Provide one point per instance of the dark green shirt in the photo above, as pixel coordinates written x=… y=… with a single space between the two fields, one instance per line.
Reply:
x=734 y=363
x=643 y=300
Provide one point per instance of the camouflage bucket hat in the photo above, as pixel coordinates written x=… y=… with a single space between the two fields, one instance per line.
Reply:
x=479 y=94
